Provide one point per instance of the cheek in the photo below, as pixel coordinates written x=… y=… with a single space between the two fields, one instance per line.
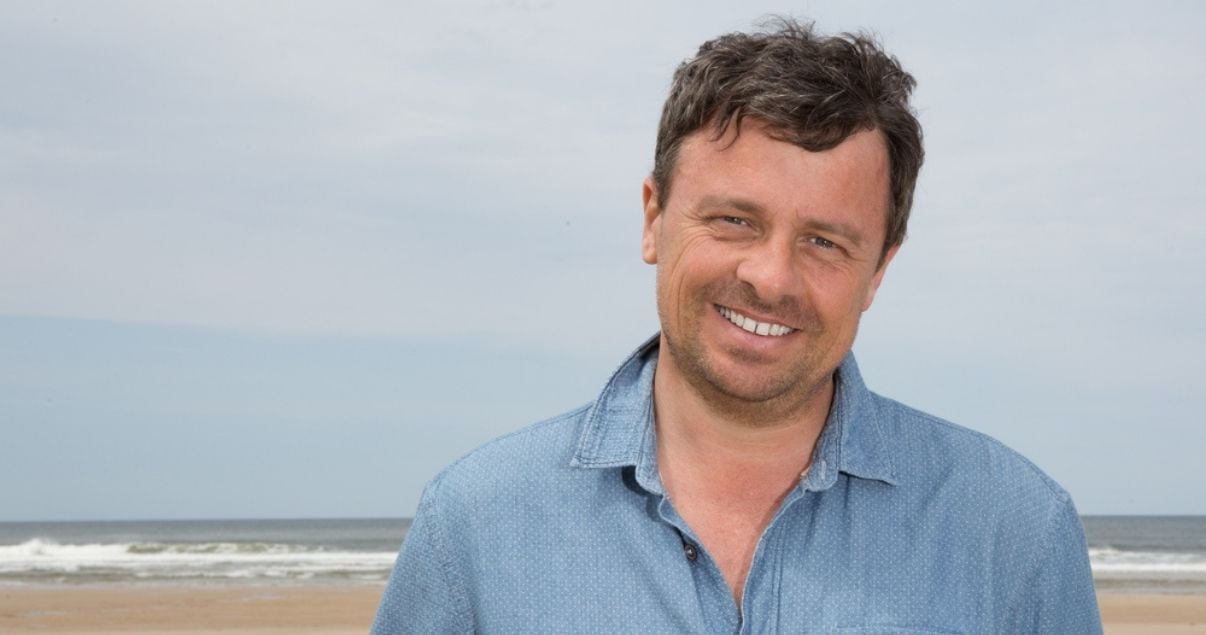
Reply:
x=672 y=287
x=836 y=295
x=686 y=269
x=689 y=258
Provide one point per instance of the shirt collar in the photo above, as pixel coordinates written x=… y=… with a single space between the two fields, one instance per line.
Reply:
x=619 y=424
x=619 y=432
x=853 y=441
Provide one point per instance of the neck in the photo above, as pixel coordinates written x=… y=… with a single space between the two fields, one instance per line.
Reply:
x=756 y=440
x=726 y=472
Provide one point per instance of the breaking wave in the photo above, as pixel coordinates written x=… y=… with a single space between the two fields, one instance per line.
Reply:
x=44 y=560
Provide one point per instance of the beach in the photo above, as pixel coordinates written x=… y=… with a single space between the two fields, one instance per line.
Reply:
x=1135 y=614
x=230 y=610
x=340 y=610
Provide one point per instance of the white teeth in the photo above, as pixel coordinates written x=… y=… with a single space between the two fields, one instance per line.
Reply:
x=753 y=326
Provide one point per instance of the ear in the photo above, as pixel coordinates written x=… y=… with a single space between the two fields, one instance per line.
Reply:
x=879 y=276
x=653 y=220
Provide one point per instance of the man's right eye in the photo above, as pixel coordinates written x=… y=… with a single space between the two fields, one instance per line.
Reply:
x=733 y=220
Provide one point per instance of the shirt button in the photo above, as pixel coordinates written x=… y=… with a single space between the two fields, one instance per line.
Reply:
x=691 y=551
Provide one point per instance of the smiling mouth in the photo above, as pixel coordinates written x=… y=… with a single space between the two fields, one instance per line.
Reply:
x=769 y=329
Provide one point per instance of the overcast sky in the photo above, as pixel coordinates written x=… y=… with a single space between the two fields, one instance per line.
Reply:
x=289 y=259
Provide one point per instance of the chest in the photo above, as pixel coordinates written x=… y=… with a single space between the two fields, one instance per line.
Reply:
x=727 y=512
x=820 y=565
x=729 y=529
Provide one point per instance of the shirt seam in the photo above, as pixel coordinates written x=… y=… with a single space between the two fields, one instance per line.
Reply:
x=439 y=540
x=1047 y=581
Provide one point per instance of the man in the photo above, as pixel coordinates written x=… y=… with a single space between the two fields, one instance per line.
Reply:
x=735 y=475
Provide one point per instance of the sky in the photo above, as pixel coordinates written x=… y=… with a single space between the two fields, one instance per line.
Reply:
x=289 y=259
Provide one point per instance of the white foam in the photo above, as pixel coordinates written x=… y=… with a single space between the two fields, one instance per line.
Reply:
x=1110 y=561
x=203 y=560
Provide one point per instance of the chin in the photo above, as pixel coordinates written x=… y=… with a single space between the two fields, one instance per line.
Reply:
x=740 y=381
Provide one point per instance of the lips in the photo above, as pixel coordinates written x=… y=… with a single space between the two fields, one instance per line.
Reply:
x=766 y=329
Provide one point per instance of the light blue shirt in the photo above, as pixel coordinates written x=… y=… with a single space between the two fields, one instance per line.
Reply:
x=904 y=524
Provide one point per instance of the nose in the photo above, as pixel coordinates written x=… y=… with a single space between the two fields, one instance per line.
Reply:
x=770 y=268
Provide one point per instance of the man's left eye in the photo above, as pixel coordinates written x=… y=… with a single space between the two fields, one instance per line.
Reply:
x=823 y=243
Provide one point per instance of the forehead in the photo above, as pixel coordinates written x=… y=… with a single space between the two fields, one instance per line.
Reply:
x=849 y=182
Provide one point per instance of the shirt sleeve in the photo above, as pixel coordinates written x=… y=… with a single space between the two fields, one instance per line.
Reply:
x=425 y=593
x=1064 y=596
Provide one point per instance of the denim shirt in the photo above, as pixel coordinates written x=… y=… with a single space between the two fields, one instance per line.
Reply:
x=904 y=524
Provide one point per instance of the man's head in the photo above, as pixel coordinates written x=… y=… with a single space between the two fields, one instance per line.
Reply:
x=784 y=174
x=808 y=90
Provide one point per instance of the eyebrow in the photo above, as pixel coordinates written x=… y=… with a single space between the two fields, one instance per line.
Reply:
x=725 y=202
x=745 y=205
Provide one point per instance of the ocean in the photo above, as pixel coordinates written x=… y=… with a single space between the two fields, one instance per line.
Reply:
x=1149 y=554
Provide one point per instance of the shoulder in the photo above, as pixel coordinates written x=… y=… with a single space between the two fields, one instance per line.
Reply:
x=933 y=455
x=515 y=466
x=993 y=512
x=470 y=518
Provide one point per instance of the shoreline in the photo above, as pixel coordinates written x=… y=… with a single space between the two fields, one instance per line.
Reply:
x=347 y=609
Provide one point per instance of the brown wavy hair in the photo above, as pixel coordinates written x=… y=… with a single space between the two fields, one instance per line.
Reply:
x=810 y=90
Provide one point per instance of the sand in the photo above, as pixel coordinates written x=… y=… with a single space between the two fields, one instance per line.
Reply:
x=1133 y=614
x=252 y=610
x=313 y=610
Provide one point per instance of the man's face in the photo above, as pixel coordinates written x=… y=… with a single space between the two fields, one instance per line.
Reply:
x=767 y=254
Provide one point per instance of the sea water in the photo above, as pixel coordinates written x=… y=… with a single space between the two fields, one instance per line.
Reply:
x=1128 y=553
x=1154 y=554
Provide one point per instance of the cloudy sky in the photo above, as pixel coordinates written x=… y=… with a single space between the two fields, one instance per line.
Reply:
x=288 y=259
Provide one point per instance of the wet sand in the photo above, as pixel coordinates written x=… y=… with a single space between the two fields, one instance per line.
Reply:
x=316 y=610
